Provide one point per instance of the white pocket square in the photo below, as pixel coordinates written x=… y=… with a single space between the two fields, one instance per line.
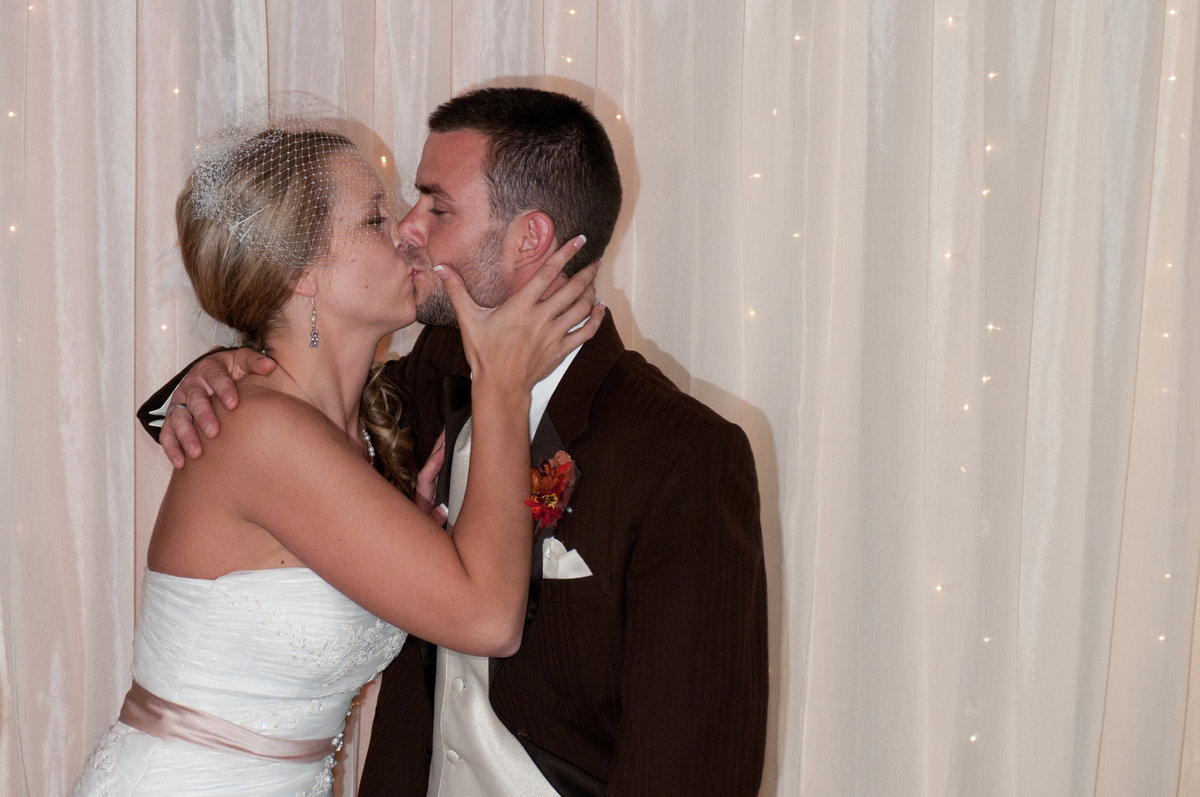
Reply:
x=558 y=562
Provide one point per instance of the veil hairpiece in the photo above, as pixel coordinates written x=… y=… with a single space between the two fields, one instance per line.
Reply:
x=263 y=181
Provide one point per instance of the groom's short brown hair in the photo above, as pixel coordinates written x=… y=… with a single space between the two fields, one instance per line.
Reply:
x=546 y=151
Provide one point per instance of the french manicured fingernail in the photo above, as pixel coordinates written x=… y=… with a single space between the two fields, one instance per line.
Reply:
x=442 y=508
x=580 y=240
x=440 y=271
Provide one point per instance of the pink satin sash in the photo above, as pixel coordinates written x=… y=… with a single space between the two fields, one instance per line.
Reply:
x=162 y=719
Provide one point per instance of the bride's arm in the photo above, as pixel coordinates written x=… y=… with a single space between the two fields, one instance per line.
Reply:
x=289 y=471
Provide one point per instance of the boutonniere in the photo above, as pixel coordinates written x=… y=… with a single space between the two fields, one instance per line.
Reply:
x=553 y=482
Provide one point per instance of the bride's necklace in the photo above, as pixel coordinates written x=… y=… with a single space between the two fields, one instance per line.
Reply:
x=366 y=436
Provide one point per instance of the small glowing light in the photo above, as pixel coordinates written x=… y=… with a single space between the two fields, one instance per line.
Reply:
x=570 y=60
x=988 y=148
x=383 y=159
x=974 y=736
x=1172 y=78
x=949 y=20
x=11 y=114
x=756 y=176
x=176 y=89
x=963 y=468
x=966 y=407
x=618 y=116
x=774 y=112
x=12 y=228
x=1166 y=334
x=938 y=588
x=985 y=379
x=1166 y=575
x=1172 y=12
x=1162 y=637
x=1165 y=390
x=992 y=75
x=163 y=327
x=1170 y=265
x=993 y=328
x=947 y=255
x=987 y=640
x=1183 y=135
x=571 y=11
x=795 y=235
x=752 y=313
x=797 y=37
x=985 y=191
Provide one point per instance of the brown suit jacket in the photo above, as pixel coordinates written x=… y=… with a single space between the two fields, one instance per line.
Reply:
x=650 y=676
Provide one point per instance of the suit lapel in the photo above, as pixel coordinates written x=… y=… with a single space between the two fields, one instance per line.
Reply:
x=571 y=403
x=456 y=395
x=564 y=421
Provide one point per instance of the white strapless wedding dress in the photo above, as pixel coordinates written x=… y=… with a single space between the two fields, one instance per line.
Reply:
x=279 y=652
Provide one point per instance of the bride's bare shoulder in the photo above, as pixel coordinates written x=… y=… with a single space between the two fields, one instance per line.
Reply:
x=265 y=414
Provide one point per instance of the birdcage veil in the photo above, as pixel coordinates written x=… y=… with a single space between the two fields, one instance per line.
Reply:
x=266 y=196
x=272 y=186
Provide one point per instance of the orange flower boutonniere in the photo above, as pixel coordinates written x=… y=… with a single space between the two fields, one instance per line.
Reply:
x=553 y=482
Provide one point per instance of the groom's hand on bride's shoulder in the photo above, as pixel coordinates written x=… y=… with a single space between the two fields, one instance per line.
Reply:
x=190 y=410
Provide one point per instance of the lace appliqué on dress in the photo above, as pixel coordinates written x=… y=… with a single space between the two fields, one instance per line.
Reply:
x=353 y=647
x=96 y=777
x=322 y=785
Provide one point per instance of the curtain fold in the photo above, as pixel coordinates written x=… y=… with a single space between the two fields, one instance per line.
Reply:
x=938 y=258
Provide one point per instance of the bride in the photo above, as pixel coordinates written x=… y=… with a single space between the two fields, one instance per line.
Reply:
x=283 y=564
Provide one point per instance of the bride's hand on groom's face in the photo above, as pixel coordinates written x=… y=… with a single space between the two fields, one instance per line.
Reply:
x=190 y=411
x=523 y=339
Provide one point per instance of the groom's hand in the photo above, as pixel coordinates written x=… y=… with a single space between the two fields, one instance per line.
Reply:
x=190 y=408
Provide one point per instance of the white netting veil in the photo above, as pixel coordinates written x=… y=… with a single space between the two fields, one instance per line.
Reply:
x=262 y=204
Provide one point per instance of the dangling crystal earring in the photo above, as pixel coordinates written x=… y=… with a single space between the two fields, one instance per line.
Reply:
x=314 y=338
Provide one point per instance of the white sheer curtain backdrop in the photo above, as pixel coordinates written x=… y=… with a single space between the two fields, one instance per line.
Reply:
x=938 y=257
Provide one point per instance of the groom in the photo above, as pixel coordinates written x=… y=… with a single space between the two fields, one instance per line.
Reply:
x=643 y=668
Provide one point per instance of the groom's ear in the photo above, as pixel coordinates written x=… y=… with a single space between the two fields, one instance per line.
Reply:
x=531 y=241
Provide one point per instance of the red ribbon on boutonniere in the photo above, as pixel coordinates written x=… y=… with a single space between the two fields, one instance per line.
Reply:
x=553 y=482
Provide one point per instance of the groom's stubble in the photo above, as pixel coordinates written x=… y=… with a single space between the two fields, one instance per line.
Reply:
x=480 y=271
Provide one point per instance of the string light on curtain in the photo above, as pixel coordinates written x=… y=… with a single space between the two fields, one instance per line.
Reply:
x=12 y=114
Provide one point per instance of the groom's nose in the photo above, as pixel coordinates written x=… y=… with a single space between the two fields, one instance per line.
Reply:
x=408 y=230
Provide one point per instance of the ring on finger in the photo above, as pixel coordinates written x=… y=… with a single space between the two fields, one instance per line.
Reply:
x=175 y=406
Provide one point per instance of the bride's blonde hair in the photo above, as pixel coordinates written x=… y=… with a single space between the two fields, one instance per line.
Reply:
x=252 y=216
